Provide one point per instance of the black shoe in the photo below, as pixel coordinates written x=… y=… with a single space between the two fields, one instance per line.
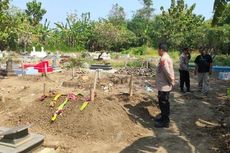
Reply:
x=162 y=124
x=182 y=90
x=158 y=118
x=206 y=94
x=188 y=90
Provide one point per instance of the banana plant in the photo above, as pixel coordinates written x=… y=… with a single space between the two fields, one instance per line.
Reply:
x=75 y=32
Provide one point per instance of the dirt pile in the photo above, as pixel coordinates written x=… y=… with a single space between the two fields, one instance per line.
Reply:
x=103 y=120
x=221 y=107
x=222 y=134
x=137 y=72
x=222 y=137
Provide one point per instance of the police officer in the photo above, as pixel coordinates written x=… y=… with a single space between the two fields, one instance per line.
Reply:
x=165 y=80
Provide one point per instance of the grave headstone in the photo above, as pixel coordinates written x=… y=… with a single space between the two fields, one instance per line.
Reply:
x=34 y=49
x=18 y=139
x=54 y=62
x=1 y=54
x=9 y=68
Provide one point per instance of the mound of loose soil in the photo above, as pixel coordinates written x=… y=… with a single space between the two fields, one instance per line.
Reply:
x=103 y=119
x=222 y=135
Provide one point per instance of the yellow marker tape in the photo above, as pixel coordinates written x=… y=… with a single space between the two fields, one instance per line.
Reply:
x=59 y=109
x=84 y=105
x=80 y=95
x=53 y=102
x=54 y=117
x=57 y=96
x=63 y=104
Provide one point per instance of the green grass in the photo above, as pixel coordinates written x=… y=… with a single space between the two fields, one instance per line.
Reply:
x=146 y=52
x=175 y=55
x=131 y=63
x=150 y=52
x=135 y=51
x=64 y=49
x=117 y=63
x=135 y=63
x=193 y=56
x=222 y=60
x=228 y=93
x=143 y=53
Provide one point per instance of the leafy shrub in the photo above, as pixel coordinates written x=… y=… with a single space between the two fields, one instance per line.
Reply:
x=135 y=64
x=222 y=60
x=228 y=93
x=135 y=51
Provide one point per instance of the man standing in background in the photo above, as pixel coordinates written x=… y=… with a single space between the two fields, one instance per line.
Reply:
x=184 y=70
x=204 y=68
x=165 y=81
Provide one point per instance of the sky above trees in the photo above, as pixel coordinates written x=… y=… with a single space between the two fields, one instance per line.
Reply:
x=58 y=9
x=179 y=26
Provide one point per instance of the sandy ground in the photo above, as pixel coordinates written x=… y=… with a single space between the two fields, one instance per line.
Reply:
x=115 y=122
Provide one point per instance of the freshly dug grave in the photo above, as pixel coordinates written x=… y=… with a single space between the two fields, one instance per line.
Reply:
x=103 y=120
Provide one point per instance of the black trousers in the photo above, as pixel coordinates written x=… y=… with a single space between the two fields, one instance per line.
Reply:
x=163 y=98
x=184 y=79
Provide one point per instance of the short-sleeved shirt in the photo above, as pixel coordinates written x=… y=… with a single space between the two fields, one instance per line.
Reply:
x=203 y=62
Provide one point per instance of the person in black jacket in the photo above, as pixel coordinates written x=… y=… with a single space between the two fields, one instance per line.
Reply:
x=204 y=68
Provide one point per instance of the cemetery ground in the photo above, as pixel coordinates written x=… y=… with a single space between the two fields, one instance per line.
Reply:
x=115 y=121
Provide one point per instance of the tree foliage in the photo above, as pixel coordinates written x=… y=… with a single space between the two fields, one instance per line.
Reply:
x=74 y=33
x=225 y=18
x=218 y=8
x=178 y=26
x=35 y=12
x=7 y=27
x=107 y=37
x=141 y=22
x=117 y=15
x=216 y=39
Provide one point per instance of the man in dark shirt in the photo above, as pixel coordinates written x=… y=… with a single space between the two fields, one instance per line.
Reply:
x=204 y=68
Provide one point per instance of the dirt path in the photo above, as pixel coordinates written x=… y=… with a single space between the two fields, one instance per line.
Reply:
x=116 y=123
x=193 y=119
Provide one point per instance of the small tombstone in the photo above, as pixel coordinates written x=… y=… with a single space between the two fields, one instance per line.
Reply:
x=54 y=62
x=9 y=68
x=9 y=65
x=42 y=49
x=1 y=54
x=34 y=49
